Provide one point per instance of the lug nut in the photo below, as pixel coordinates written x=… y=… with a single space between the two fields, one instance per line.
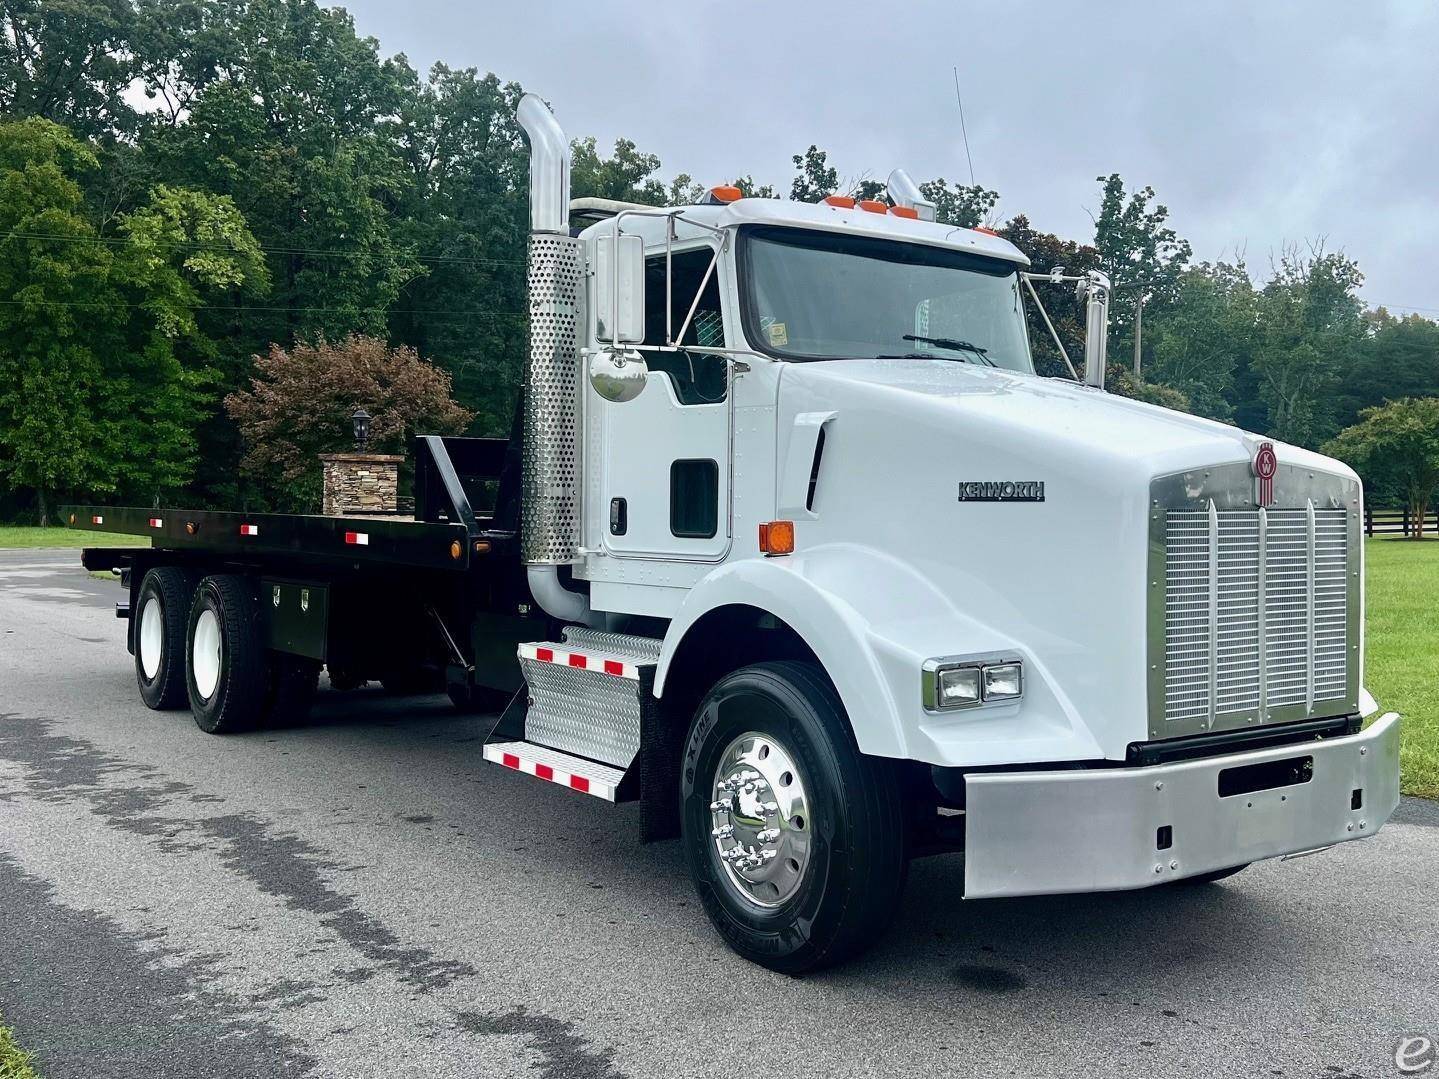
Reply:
x=724 y=831
x=720 y=805
x=769 y=835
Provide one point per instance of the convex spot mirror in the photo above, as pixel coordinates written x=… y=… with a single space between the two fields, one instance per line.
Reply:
x=620 y=289
x=618 y=376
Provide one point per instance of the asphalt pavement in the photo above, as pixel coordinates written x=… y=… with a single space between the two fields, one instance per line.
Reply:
x=365 y=896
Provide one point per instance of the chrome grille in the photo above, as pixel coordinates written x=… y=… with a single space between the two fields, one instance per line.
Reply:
x=1256 y=607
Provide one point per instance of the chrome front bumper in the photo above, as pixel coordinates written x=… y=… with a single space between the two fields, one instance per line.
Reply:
x=1095 y=830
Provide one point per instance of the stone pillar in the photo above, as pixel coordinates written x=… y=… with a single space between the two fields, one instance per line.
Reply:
x=360 y=483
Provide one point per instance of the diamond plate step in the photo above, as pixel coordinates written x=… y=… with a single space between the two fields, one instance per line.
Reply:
x=587 y=777
x=598 y=640
x=587 y=693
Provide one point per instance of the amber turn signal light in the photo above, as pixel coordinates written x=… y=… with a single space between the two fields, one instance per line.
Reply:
x=776 y=537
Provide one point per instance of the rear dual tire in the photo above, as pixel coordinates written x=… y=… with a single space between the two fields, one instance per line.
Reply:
x=162 y=606
x=234 y=683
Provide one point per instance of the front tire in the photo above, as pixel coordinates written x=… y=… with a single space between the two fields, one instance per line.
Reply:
x=226 y=672
x=162 y=606
x=795 y=839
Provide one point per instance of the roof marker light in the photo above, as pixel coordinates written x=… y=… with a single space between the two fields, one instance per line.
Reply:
x=839 y=202
x=905 y=211
x=726 y=193
x=986 y=231
x=874 y=206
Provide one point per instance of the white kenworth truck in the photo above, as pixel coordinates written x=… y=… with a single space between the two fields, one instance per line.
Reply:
x=792 y=546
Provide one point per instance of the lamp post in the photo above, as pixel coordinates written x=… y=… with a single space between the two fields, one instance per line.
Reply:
x=361 y=421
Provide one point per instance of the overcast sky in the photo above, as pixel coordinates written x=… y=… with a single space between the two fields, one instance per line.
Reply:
x=1258 y=124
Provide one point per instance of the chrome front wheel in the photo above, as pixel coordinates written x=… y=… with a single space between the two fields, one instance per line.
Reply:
x=761 y=819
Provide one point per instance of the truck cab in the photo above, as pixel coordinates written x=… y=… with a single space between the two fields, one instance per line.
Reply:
x=1106 y=644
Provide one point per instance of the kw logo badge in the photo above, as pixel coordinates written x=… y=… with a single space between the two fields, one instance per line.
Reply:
x=1265 y=464
x=1001 y=491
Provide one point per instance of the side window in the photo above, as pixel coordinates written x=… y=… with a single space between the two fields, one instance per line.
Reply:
x=694 y=499
x=699 y=378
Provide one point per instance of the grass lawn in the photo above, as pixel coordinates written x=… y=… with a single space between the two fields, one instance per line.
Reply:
x=15 y=1063
x=11 y=536
x=1401 y=664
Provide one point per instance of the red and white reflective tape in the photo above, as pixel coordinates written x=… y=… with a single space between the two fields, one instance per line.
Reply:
x=97 y=520
x=545 y=654
x=249 y=530
x=157 y=522
x=361 y=539
x=548 y=772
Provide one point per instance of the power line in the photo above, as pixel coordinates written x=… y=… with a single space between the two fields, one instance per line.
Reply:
x=197 y=245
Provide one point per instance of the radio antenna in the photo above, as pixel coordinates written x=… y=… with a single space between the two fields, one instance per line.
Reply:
x=962 y=130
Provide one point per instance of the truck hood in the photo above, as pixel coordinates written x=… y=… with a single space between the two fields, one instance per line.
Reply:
x=936 y=467
x=1026 y=411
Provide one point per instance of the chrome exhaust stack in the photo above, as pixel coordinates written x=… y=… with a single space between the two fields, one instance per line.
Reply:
x=550 y=500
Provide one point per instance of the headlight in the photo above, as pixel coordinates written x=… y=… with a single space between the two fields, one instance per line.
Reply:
x=958 y=686
x=953 y=682
x=1003 y=682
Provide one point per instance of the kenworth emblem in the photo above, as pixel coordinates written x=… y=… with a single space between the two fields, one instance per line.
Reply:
x=1001 y=491
x=1265 y=465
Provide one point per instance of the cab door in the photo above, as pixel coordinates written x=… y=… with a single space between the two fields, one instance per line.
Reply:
x=665 y=483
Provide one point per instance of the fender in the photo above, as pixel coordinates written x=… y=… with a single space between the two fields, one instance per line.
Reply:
x=872 y=620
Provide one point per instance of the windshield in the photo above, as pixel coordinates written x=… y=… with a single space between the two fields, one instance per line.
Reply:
x=827 y=295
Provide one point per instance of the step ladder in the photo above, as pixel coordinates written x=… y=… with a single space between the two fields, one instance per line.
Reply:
x=590 y=698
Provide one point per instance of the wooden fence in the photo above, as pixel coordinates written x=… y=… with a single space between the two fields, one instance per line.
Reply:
x=1384 y=521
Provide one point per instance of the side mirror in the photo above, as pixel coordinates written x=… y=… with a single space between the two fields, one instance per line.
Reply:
x=620 y=289
x=618 y=376
x=1093 y=289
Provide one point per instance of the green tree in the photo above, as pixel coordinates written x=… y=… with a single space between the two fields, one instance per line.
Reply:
x=1209 y=328
x=1399 y=358
x=1395 y=448
x=1309 y=333
x=296 y=119
x=57 y=305
x=816 y=179
x=1139 y=251
x=628 y=175
x=300 y=401
x=103 y=365
x=466 y=210
x=752 y=190
x=959 y=205
x=67 y=61
x=1047 y=251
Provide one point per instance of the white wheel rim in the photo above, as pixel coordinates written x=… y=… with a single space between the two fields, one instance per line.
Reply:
x=151 y=638
x=205 y=654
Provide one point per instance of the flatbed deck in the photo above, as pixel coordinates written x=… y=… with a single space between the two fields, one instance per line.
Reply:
x=394 y=542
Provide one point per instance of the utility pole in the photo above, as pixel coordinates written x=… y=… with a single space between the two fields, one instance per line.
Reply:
x=1138 y=331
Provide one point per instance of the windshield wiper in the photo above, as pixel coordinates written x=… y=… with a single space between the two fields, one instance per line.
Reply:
x=947 y=342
